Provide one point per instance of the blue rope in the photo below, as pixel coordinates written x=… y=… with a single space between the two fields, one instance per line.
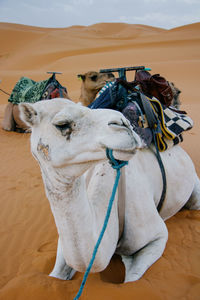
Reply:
x=117 y=165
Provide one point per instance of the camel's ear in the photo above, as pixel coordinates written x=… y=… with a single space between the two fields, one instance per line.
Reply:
x=81 y=76
x=28 y=114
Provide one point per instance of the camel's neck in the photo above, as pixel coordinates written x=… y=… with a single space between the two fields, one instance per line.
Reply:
x=79 y=215
x=87 y=97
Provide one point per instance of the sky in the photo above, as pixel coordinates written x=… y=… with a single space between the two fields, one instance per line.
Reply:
x=64 y=13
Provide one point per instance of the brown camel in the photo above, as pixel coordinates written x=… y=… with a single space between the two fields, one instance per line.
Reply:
x=92 y=82
x=176 y=93
x=12 y=120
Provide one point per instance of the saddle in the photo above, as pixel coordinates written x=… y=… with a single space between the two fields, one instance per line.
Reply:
x=28 y=90
x=146 y=114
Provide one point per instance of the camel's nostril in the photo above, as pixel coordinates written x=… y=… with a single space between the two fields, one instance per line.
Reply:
x=114 y=122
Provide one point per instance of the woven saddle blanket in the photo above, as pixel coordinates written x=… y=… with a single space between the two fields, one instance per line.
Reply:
x=172 y=124
x=27 y=90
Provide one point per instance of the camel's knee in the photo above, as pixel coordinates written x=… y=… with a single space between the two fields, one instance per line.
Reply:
x=137 y=264
x=194 y=201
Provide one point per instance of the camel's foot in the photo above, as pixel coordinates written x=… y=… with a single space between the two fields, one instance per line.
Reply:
x=64 y=273
x=194 y=201
x=7 y=128
x=22 y=130
x=61 y=270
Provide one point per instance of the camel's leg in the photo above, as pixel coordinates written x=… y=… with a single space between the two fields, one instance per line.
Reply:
x=61 y=270
x=8 y=120
x=137 y=264
x=194 y=201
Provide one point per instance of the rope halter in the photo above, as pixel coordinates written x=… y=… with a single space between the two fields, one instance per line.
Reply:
x=117 y=165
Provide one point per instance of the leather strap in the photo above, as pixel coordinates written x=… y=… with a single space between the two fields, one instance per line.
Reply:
x=151 y=118
x=153 y=124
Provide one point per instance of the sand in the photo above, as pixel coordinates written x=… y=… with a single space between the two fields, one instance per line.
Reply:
x=28 y=234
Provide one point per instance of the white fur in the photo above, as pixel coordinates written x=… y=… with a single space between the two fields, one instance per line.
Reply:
x=78 y=181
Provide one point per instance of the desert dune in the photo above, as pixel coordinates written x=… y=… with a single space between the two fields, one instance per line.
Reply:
x=28 y=236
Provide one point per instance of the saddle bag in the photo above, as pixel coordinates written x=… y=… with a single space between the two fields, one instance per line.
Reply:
x=155 y=86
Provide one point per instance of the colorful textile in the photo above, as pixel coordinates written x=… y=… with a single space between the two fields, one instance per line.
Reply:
x=171 y=123
x=137 y=119
x=103 y=99
x=27 y=90
x=114 y=97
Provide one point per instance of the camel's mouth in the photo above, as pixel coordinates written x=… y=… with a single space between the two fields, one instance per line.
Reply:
x=85 y=160
x=100 y=86
x=103 y=83
x=123 y=154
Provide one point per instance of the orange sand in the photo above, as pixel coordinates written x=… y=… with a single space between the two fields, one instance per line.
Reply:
x=28 y=234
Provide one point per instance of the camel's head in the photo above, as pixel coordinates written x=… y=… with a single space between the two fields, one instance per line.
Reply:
x=92 y=82
x=66 y=134
x=176 y=94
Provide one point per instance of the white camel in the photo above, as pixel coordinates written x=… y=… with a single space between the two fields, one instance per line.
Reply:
x=69 y=141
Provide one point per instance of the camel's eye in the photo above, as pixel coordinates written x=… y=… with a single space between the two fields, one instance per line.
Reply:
x=65 y=128
x=94 y=78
